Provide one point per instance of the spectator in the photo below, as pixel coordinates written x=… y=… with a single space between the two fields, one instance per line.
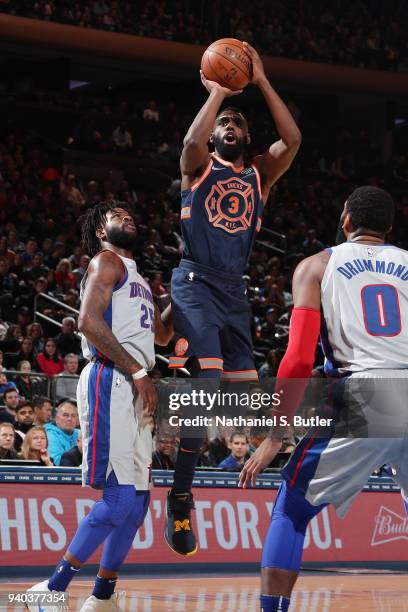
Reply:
x=62 y=435
x=11 y=400
x=73 y=457
x=163 y=455
x=67 y=341
x=24 y=422
x=268 y=328
x=5 y=385
x=65 y=388
x=35 y=445
x=37 y=268
x=311 y=245
x=30 y=250
x=42 y=410
x=49 y=361
x=269 y=369
x=7 y=436
x=79 y=272
x=64 y=278
x=70 y=192
x=26 y=353
x=27 y=386
x=239 y=447
x=151 y=112
x=218 y=447
x=36 y=333
x=122 y=139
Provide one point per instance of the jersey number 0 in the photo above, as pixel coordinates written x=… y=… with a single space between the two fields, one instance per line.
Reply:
x=381 y=310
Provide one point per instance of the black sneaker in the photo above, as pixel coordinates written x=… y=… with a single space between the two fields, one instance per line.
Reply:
x=178 y=531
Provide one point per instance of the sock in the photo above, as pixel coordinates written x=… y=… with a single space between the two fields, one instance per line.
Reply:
x=104 y=587
x=274 y=603
x=62 y=576
x=189 y=450
x=186 y=462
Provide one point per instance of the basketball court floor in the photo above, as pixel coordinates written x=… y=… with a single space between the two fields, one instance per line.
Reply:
x=315 y=592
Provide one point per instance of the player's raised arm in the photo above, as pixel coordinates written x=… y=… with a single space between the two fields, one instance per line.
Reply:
x=103 y=275
x=163 y=325
x=195 y=153
x=277 y=159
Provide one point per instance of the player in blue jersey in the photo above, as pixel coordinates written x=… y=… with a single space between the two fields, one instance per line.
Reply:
x=356 y=296
x=222 y=204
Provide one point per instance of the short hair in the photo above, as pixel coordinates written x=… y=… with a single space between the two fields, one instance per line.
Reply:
x=69 y=356
x=24 y=405
x=8 y=391
x=69 y=319
x=65 y=403
x=93 y=220
x=7 y=424
x=371 y=208
x=241 y=434
x=40 y=400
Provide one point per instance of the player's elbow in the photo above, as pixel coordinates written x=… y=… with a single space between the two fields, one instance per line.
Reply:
x=295 y=140
x=84 y=324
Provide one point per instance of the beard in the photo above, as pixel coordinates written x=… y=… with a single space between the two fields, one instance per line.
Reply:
x=121 y=239
x=229 y=152
x=340 y=236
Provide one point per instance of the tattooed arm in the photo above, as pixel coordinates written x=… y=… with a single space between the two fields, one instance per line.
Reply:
x=104 y=272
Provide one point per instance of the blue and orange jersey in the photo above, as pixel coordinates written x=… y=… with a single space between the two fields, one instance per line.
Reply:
x=220 y=215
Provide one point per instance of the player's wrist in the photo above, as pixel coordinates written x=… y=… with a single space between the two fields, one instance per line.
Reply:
x=138 y=374
x=261 y=81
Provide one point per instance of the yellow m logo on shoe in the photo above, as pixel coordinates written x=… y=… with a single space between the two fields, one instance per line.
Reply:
x=179 y=525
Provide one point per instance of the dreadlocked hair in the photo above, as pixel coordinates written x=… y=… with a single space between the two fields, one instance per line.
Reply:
x=93 y=220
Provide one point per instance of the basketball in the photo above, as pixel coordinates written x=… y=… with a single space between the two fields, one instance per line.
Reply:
x=226 y=62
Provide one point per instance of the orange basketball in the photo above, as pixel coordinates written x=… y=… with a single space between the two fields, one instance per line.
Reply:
x=226 y=62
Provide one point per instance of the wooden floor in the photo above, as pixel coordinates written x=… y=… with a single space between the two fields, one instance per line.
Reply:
x=314 y=593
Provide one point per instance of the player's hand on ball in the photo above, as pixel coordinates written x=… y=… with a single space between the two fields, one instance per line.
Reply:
x=147 y=392
x=212 y=85
x=261 y=458
x=258 y=72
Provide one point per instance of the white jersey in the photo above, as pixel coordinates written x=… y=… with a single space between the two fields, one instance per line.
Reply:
x=130 y=315
x=364 y=294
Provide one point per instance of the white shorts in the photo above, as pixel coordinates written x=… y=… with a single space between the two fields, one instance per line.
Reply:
x=116 y=433
x=333 y=470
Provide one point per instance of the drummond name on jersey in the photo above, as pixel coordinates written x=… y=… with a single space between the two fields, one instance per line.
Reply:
x=378 y=266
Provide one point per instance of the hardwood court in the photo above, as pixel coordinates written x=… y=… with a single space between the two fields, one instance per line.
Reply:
x=314 y=593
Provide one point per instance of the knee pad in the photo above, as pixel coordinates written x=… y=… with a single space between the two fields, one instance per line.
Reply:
x=114 y=507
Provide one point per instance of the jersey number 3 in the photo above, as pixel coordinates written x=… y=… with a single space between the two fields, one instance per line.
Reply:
x=381 y=311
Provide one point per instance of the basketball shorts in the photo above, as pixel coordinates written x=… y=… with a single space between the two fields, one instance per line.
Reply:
x=211 y=315
x=115 y=431
x=333 y=470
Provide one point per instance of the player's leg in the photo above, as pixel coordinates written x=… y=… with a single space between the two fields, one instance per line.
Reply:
x=115 y=550
x=105 y=516
x=178 y=530
x=197 y=320
x=320 y=471
x=283 y=547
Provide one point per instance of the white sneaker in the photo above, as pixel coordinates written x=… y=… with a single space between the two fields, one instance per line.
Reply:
x=116 y=603
x=38 y=606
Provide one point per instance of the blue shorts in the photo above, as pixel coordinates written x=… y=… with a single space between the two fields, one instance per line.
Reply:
x=211 y=315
